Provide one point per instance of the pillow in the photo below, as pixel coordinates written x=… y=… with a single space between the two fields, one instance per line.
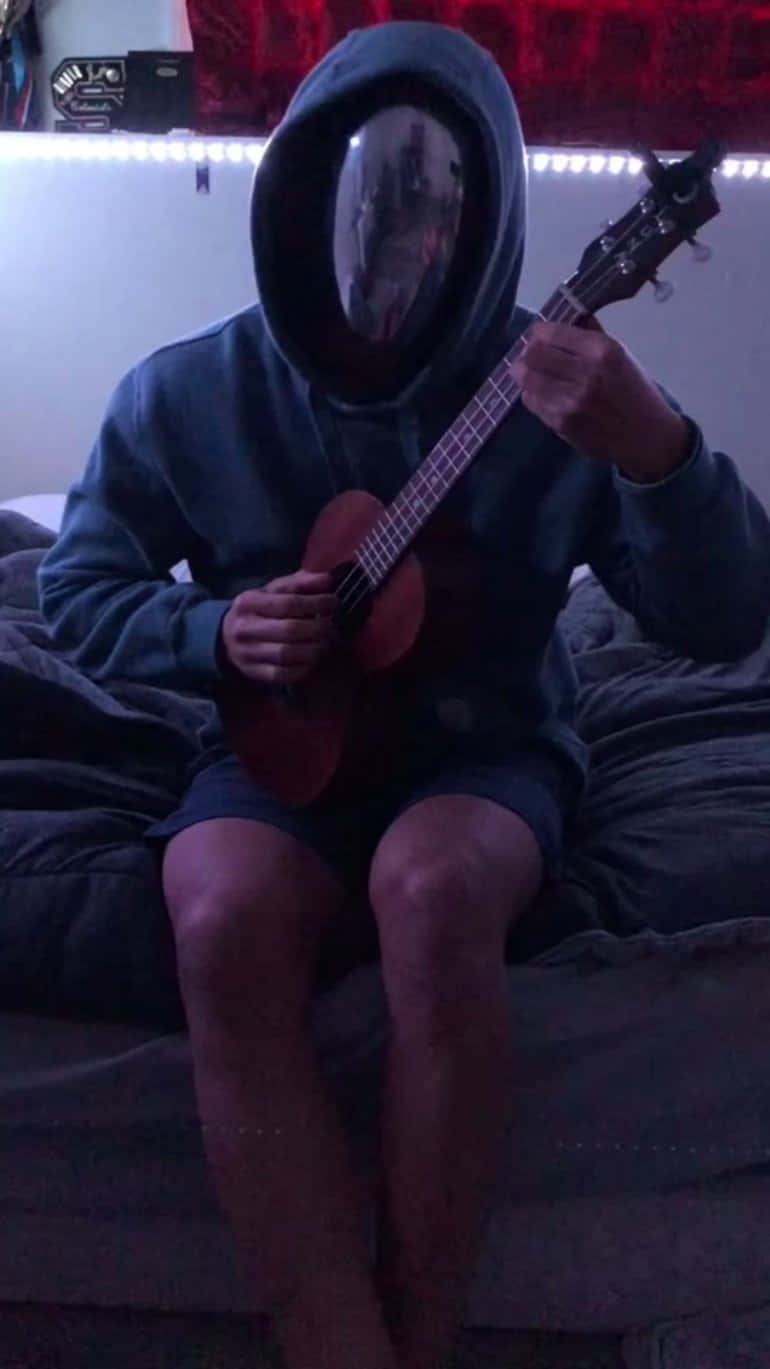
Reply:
x=19 y=533
x=46 y=512
x=674 y=830
x=18 y=579
x=44 y=509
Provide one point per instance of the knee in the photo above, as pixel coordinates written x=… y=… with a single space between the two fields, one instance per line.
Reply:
x=437 y=950
x=430 y=917
x=236 y=953
x=209 y=925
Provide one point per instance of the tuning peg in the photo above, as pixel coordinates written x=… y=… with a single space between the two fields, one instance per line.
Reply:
x=700 y=250
x=654 y=169
x=605 y=225
x=663 y=290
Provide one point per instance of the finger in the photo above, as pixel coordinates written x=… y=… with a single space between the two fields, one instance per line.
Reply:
x=548 y=392
x=264 y=604
x=545 y=402
x=281 y=653
x=301 y=582
x=315 y=631
x=284 y=605
x=274 y=675
x=541 y=359
x=580 y=342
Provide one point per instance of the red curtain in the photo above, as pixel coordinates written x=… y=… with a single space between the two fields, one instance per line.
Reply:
x=609 y=73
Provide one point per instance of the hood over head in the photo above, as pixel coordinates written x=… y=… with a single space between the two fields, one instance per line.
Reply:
x=445 y=71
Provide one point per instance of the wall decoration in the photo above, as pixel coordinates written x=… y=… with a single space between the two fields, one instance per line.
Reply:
x=88 y=93
x=604 y=73
x=142 y=92
x=19 y=50
x=159 y=92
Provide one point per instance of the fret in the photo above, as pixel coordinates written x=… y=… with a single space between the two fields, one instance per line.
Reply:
x=377 y=563
x=489 y=397
x=564 y=306
x=405 y=513
x=466 y=451
x=504 y=380
x=363 y=557
x=554 y=310
x=448 y=459
x=484 y=412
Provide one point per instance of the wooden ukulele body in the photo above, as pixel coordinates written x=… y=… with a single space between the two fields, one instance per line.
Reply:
x=296 y=743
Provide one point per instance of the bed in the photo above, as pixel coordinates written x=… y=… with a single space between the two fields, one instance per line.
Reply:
x=632 y=1205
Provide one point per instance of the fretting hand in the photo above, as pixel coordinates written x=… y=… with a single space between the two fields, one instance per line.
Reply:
x=586 y=387
x=277 y=634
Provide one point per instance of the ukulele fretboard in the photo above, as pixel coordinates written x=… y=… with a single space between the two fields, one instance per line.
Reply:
x=401 y=521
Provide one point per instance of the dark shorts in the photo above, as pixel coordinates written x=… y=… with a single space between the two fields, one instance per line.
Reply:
x=345 y=835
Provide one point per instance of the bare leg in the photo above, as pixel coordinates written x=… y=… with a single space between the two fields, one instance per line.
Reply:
x=446 y=883
x=248 y=904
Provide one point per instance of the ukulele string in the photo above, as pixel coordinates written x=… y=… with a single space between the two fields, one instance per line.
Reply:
x=352 y=580
x=351 y=583
x=421 y=483
x=350 y=591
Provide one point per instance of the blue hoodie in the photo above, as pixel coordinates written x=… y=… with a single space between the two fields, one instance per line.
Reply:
x=223 y=448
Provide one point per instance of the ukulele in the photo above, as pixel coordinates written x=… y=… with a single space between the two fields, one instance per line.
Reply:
x=332 y=729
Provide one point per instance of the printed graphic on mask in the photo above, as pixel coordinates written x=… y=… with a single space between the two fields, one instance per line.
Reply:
x=397 y=220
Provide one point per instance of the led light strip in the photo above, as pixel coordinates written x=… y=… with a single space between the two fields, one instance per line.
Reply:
x=596 y=163
x=122 y=147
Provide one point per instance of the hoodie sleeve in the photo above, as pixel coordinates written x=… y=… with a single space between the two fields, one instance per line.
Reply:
x=688 y=556
x=105 y=588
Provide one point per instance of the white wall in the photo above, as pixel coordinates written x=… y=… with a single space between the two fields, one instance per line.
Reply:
x=101 y=262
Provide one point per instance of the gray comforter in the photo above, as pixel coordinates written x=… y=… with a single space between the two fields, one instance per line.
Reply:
x=83 y=771
x=674 y=830
x=672 y=834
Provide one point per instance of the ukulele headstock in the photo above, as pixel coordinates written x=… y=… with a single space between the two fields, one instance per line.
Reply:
x=681 y=198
